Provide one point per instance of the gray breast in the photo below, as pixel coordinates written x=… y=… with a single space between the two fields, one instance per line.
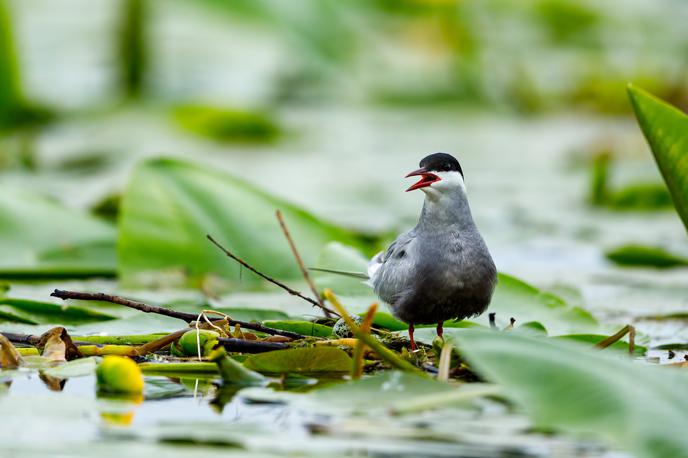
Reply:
x=428 y=277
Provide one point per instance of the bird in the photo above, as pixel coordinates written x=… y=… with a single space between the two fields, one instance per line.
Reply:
x=441 y=269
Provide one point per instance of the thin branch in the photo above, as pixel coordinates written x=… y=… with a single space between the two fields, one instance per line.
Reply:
x=299 y=261
x=291 y=291
x=26 y=339
x=147 y=308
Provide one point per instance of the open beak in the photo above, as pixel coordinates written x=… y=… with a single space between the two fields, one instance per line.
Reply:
x=426 y=180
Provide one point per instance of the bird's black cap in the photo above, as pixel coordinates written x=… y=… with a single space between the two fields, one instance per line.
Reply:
x=441 y=162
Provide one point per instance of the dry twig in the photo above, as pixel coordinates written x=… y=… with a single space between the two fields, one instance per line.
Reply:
x=299 y=261
x=147 y=308
x=291 y=291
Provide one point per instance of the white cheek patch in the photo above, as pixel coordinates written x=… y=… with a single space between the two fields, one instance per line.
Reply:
x=449 y=181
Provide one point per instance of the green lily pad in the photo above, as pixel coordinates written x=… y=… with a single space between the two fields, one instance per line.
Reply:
x=645 y=256
x=305 y=328
x=40 y=238
x=35 y=312
x=572 y=388
x=300 y=361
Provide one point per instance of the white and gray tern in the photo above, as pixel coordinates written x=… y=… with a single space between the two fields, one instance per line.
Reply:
x=441 y=269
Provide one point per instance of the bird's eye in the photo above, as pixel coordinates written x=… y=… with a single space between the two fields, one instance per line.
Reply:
x=447 y=166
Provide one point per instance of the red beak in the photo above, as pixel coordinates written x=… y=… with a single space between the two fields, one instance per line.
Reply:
x=426 y=180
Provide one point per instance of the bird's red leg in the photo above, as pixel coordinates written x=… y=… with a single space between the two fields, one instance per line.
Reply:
x=413 y=342
x=440 y=330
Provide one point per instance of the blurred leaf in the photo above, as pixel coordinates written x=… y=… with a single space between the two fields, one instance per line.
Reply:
x=169 y=206
x=225 y=125
x=666 y=130
x=592 y=392
x=35 y=312
x=645 y=256
x=38 y=237
x=305 y=328
x=300 y=360
x=133 y=55
x=641 y=196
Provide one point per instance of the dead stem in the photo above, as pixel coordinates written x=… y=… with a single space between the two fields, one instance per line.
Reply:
x=628 y=329
x=147 y=308
x=291 y=291
x=360 y=349
x=299 y=261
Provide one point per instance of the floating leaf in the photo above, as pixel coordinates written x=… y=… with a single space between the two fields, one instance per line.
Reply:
x=35 y=312
x=38 y=237
x=516 y=299
x=305 y=328
x=300 y=361
x=572 y=388
x=666 y=130
x=76 y=368
x=647 y=256
x=227 y=125
x=169 y=206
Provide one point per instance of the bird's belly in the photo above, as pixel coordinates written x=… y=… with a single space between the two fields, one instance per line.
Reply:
x=444 y=297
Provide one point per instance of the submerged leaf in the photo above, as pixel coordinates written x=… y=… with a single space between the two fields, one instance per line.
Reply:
x=300 y=361
x=573 y=388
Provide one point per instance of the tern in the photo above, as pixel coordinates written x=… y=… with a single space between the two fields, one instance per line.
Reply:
x=441 y=269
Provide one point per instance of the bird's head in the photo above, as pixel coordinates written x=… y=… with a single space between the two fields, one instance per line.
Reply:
x=439 y=172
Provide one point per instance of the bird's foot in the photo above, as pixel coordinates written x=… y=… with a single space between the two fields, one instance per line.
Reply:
x=413 y=342
x=440 y=330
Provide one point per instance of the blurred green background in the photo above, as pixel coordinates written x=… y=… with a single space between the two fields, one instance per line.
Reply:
x=326 y=105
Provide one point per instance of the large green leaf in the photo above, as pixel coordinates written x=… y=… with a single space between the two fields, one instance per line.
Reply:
x=169 y=206
x=573 y=388
x=35 y=312
x=300 y=360
x=666 y=130
x=512 y=298
x=39 y=237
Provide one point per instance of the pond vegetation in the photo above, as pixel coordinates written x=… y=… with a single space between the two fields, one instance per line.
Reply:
x=175 y=195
